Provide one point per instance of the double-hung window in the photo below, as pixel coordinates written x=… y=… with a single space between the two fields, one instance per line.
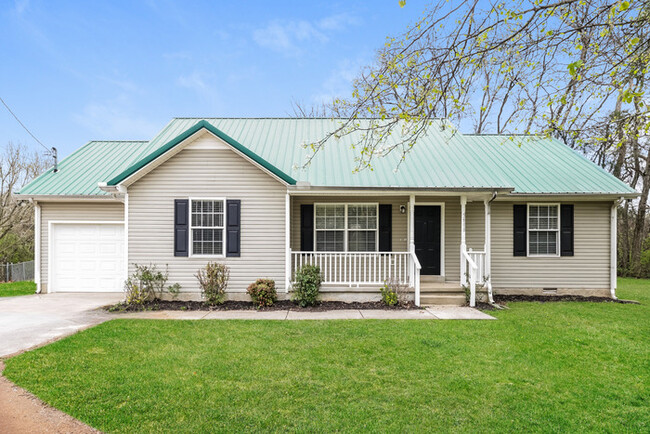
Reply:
x=207 y=219
x=346 y=227
x=362 y=228
x=543 y=230
x=330 y=228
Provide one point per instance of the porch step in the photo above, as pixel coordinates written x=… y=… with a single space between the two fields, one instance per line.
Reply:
x=437 y=287
x=428 y=278
x=443 y=299
x=442 y=293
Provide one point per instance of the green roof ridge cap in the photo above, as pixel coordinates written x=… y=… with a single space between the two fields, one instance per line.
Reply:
x=186 y=134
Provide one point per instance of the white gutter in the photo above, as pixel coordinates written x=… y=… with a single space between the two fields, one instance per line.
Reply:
x=37 y=246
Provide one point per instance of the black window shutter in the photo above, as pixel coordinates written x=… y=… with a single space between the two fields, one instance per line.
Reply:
x=566 y=230
x=233 y=228
x=307 y=228
x=181 y=229
x=520 y=227
x=385 y=228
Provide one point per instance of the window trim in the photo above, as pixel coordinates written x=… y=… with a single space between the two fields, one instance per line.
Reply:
x=345 y=228
x=191 y=253
x=557 y=231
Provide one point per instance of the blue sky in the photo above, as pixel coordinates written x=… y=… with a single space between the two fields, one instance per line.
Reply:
x=76 y=71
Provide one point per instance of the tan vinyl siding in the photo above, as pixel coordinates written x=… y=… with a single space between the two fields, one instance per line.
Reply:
x=400 y=221
x=209 y=173
x=589 y=268
x=72 y=211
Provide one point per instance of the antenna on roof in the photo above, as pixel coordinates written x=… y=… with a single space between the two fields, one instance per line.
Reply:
x=54 y=155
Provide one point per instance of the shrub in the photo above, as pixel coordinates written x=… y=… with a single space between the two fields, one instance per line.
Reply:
x=146 y=284
x=213 y=280
x=394 y=293
x=307 y=285
x=263 y=292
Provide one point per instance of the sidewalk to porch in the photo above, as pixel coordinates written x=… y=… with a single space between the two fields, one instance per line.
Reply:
x=438 y=312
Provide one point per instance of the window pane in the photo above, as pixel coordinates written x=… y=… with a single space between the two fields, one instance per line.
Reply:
x=207 y=213
x=329 y=241
x=543 y=217
x=362 y=216
x=542 y=243
x=361 y=241
x=330 y=216
x=207 y=241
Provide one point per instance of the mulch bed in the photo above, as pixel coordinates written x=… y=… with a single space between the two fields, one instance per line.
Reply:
x=556 y=298
x=247 y=305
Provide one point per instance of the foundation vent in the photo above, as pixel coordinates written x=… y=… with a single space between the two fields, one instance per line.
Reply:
x=549 y=290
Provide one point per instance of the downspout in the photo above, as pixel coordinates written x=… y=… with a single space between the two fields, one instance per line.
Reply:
x=37 y=246
x=613 y=248
x=488 y=247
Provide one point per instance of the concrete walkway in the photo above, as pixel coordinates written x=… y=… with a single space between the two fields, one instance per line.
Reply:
x=438 y=312
x=33 y=320
x=29 y=321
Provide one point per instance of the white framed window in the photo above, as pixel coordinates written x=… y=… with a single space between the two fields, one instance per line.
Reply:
x=207 y=227
x=362 y=227
x=346 y=227
x=543 y=229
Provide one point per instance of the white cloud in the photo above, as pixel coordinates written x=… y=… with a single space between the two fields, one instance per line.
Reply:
x=115 y=119
x=194 y=81
x=339 y=82
x=21 y=6
x=338 y=22
x=290 y=37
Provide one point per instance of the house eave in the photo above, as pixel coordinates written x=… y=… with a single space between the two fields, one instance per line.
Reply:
x=66 y=197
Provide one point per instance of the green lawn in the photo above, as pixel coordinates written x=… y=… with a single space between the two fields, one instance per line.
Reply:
x=541 y=367
x=17 y=288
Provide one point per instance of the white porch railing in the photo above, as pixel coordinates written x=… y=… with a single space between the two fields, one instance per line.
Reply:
x=475 y=261
x=358 y=268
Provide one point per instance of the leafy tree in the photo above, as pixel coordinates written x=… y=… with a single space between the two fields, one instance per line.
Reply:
x=576 y=70
x=17 y=167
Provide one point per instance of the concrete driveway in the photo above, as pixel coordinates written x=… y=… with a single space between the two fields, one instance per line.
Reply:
x=32 y=320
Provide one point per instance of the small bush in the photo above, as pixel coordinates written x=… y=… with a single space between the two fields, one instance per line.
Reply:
x=146 y=284
x=213 y=280
x=263 y=292
x=307 y=285
x=394 y=293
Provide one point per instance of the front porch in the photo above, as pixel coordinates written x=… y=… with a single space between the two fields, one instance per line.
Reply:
x=436 y=245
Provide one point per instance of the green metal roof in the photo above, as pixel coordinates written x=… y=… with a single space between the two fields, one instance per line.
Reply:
x=80 y=173
x=442 y=159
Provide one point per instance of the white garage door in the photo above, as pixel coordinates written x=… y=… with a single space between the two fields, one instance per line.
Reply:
x=87 y=257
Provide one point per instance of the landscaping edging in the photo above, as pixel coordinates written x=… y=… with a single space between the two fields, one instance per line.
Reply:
x=323 y=306
x=557 y=298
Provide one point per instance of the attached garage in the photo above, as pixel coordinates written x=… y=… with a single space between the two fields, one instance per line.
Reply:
x=86 y=257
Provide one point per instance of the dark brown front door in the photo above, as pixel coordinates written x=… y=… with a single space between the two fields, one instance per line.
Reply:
x=427 y=238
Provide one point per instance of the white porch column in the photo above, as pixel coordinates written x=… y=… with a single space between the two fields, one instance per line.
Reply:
x=488 y=239
x=411 y=225
x=287 y=242
x=463 y=245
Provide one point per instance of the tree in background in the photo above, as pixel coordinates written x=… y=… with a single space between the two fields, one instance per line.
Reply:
x=576 y=70
x=17 y=167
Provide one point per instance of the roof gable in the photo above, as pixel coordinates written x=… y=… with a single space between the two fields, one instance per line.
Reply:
x=158 y=151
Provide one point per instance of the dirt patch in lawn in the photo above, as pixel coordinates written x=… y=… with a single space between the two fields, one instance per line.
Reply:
x=22 y=412
x=556 y=298
x=247 y=305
